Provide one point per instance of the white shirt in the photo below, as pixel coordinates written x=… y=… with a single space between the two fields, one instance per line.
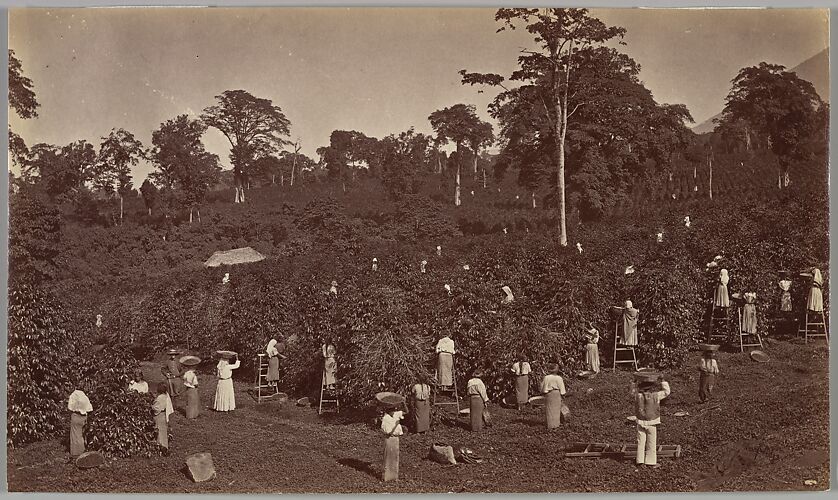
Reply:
x=225 y=370
x=141 y=386
x=445 y=344
x=553 y=383
x=390 y=424
x=190 y=379
x=525 y=370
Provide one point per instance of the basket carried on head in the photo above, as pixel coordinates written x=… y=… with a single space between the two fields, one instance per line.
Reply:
x=389 y=399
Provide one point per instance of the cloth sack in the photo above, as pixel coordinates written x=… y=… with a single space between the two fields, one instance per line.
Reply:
x=442 y=453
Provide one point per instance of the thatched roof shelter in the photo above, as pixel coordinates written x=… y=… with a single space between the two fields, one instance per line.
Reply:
x=236 y=256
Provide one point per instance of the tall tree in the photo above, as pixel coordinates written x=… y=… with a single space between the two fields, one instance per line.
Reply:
x=21 y=96
x=119 y=151
x=348 y=152
x=480 y=135
x=778 y=104
x=405 y=156
x=254 y=127
x=62 y=171
x=184 y=167
x=21 y=99
x=455 y=124
x=559 y=34
x=150 y=194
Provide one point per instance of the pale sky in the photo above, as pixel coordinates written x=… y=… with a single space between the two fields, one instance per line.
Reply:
x=375 y=70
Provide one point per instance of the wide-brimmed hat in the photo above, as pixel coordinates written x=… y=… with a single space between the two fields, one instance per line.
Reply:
x=190 y=360
x=226 y=354
x=760 y=356
x=173 y=352
x=708 y=347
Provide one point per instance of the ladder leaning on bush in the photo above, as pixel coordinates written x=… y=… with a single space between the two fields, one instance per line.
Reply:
x=716 y=318
x=745 y=338
x=325 y=392
x=814 y=329
x=624 y=348
x=261 y=383
x=452 y=391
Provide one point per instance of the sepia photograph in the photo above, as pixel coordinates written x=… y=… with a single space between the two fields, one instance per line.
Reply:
x=418 y=250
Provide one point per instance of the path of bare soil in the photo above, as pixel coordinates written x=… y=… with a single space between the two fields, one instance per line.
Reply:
x=770 y=432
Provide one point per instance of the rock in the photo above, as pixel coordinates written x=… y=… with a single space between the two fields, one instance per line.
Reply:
x=89 y=460
x=200 y=467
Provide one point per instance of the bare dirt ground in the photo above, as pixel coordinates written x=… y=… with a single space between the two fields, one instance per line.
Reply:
x=771 y=432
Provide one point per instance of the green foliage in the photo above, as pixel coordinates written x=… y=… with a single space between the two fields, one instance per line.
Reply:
x=51 y=354
x=34 y=237
x=38 y=362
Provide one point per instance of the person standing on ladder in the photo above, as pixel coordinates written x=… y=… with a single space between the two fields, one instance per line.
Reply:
x=721 y=297
x=445 y=362
x=273 y=364
x=330 y=365
x=815 y=300
x=749 y=313
x=785 y=296
x=630 y=315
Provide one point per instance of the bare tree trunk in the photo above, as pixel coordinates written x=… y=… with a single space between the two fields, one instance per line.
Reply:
x=438 y=163
x=293 y=168
x=710 y=162
x=149 y=211
x=344 y=187
x=475 y=164
x=533 y=199
x=695 y=178
x=484 y=177
x=199 y=214
x=120 y=209
x=273 y=179
x=282 y=178
x=190 y=215
x=457 y=188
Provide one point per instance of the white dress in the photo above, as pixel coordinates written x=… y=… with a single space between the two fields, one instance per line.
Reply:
x=225 y=398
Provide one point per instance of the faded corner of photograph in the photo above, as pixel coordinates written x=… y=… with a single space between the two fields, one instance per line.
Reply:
x=418 y=250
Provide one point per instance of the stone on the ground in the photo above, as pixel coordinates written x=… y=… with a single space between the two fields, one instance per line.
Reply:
x=200 y=467
x=90 y=459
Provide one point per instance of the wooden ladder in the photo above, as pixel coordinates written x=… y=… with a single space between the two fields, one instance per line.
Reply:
x=619 y=451
x=261 y=382
x=624 y=348
x=452 y=392
x=715 y=318
x=745 y=338
x=812 y=329
x=326 y=392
